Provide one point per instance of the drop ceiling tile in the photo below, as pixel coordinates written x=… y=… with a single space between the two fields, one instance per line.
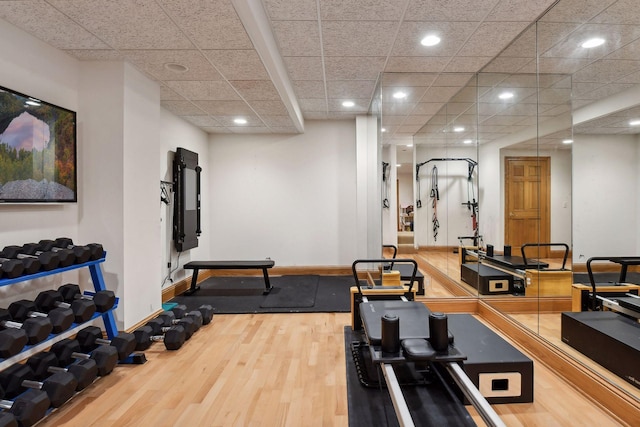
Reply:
x=421 y=120
x=221 y=108
x=388 y=120
x=409 y=79
x=453 y=35
x=216 y=129
x=518 y=10
x=212 y=24
x=490 y=38
x=460 y=10
x=352 y=38
x=182 y=108
x=397 y=109
x=313 y=104
x=309 y=88
x=126 y=25
x=411 y=129
x=277 y=121
x=606 y=71
x=630 y=78
x=455 y=108
x=238 y=64
x=228 y=121
x=354 y=67
x=315 y=115
x=465 y=64
x=350 y=88
x=335 y=105
x=576 y=10
x=605 y=91
x=560 y=65
x=275 y=108
x=167 y=94
x=294 y=10
x=218 y=90
x=620 y=12
x=616 y=37
x=556 y=112
x=304 y=68
x=256 y=90
x=96 y=55
x=284 y=130
x=297 y=38
x=49 y=25
x=506 y=65
x=202 y=121
x=440 y=93
x=366 y=10
x=249 y=129
x=416 y=64
x=153 y=62
x=343 y=115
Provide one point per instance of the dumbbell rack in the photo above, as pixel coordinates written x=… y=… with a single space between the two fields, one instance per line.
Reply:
x=99 y=285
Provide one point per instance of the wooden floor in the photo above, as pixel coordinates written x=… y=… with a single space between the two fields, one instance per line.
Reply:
x=271 y=370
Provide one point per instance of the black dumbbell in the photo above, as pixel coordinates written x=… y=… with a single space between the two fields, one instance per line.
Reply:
x=28 y=408
x=60 y=386
x=67 y=350
x=61 y=318
x=83 y=309
x=7 y=419
x=12 y=341
x=168 y=318
x=207 y=313
x=81 y=253
x=43 y=364
x=48 y=260
x=181 y=312
x=104 y=300
x=96 y=250
x=36 y=328
x=66 y=256
x=91 y=337
x=172 y=337
x=11 y=268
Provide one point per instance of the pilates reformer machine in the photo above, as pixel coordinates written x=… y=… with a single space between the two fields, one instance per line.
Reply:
x=476 y=367
x=492 y=273
x=609 y=333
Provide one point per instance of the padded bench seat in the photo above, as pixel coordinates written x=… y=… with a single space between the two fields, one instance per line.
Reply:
x=228 y=265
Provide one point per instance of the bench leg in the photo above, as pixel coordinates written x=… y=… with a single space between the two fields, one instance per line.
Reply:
x=267 y=284
x=194 y=283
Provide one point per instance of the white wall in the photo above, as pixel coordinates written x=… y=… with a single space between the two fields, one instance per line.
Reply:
x=288 y=197
x=605 y=196
x=174 y=133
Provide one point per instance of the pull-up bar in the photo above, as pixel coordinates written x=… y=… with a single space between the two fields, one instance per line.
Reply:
x=471 y=164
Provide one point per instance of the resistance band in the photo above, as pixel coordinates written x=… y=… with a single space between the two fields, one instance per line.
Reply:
x=385 y=185
x=435 y=196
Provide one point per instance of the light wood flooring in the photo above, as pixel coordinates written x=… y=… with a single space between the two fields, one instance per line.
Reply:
x=273 y=370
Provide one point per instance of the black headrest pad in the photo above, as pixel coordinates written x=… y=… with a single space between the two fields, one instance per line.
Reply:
x=418 y=349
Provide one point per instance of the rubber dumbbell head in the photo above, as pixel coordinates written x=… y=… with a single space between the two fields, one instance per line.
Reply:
x=48 y=260
x=207 y=313
x=96 y=250
x=67 y=257
x=29 y=408
x=172 y=337
x=11 y=268
x=169 y=319
x=7 y=419
x=61 y=318
x=104 y=300
x=68 y=350
x=60 y=387
x=12 y=341
x=37 y=329
x=49 y=300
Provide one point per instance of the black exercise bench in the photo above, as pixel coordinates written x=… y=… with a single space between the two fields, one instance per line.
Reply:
x=228 y=265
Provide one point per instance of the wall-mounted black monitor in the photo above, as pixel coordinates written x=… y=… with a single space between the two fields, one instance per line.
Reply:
x=186 y=208
x=37 y=150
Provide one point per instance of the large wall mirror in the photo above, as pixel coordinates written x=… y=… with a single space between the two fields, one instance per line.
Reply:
x=539 y=149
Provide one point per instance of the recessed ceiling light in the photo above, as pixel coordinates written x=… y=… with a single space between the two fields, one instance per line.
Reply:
x=594 y=42
x=506 y=95
x=398 y=165
x=467 y=141
x=399 y=95
x=348 y=104
x=240 y=121
x=174 y=66
x=458 y=129
x=409 y=145
x=430 y=40
x=567 y=141
x=383 y=130
x=634 y=123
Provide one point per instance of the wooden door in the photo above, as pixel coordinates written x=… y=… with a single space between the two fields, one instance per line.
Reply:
x=527 y=203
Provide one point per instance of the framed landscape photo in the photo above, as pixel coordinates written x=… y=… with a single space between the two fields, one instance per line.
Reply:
x=37 y=150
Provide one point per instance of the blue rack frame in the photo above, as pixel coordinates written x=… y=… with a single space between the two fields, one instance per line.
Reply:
x=96 y=278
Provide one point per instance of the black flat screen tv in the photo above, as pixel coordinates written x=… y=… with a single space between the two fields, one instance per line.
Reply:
x=37 y=150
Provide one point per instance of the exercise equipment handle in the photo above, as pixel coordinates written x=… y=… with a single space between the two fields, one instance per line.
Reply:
x=564 y=259
x=383 y=261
